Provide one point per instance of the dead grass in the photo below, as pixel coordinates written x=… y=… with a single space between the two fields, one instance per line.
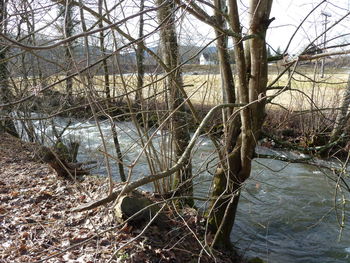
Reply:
x=205 y=89
x=304 y=94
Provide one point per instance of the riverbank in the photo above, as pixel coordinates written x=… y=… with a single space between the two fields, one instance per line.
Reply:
x=37 y=225
x=283 y=128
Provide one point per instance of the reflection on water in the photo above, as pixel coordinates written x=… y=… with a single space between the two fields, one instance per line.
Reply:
x=284 y=216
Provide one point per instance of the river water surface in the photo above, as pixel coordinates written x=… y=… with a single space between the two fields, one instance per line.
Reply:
x=287 y=212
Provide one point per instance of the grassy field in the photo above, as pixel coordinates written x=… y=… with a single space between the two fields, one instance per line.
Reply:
x=205 y=88
x=306 y=94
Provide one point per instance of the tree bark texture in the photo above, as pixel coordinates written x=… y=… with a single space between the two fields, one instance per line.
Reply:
x=103 y=52
x=223 y=54
x=180 y=131
x=6 y=123
x=140 y=59
x=343 y=115
x=68 y=27
x=243 y=132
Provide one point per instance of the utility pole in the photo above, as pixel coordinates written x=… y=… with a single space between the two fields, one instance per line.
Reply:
x=325 y=22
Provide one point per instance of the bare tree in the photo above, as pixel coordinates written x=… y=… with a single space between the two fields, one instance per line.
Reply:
x=242 y=131
x=241 y=142
x=103 y=53
x=140 y=59
x=180 y=131
x=68 y=28
x=6 y=123
x=343 y=116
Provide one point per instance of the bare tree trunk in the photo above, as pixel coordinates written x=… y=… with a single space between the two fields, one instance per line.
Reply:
x=343 y=116
x=139 y=59
x=240 y=140
x=108 y=96
x=180 y=131
x=6 y=123
x=68 y=27
x=103 y=53
x=223 y=54
x=27 y=17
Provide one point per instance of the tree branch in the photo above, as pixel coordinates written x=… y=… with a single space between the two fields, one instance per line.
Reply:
x=129 y=187
x=316 y=56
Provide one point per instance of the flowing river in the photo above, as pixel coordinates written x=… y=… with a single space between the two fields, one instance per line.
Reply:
x=287 y=212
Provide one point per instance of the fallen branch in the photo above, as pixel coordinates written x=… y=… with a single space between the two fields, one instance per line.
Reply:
x=292 y=146
x=97 y=203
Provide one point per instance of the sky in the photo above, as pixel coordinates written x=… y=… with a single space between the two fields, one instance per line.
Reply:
x=288 y=15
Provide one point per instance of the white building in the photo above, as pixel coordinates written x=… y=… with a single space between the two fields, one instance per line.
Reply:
x=206 y=59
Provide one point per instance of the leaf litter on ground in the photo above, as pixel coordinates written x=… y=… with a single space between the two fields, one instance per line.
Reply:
x=36 y=224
